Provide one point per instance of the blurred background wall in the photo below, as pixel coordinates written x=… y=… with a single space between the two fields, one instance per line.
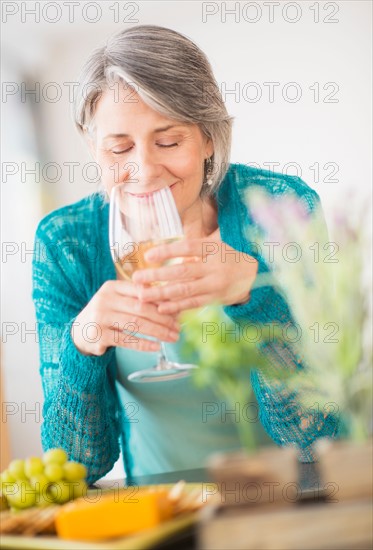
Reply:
x=295 y=75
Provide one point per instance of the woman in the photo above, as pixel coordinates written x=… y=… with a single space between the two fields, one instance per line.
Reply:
x=152 y=115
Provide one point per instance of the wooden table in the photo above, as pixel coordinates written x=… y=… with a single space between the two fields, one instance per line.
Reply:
x=310 y=524
x=313 y=523
x=337 y=526
x=317 y=520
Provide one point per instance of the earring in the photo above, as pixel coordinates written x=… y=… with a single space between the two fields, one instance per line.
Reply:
x=208 y=171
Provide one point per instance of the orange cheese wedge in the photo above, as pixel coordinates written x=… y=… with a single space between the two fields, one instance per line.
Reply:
x=113 y=515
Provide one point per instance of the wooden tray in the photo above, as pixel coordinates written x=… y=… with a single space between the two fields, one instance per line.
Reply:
x=143 y=540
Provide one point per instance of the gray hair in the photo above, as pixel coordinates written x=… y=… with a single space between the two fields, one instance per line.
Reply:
x=170 y=73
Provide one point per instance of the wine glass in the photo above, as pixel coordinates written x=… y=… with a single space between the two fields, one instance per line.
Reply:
x=137 y=223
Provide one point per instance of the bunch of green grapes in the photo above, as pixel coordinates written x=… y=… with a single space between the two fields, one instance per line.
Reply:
x=52 y=479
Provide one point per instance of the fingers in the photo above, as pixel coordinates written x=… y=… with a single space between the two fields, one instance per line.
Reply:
x=123 y=299
x=116 y=317
x=136 y=327
x=131 y=341
x=121 y=288
x=176 y=291
x=187 y=270
x=183 y=247
x=189 y=303
x=135 y=310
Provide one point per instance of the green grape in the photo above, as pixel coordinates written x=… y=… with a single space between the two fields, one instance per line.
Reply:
x=53 y=471
x=38 y=482
x=44 y=499
x=9 y=488
x=43 y=496
x=61 y=492
x=58 y=456
x=17 y=469
x=21 y=495
x=33 y=466
x=74 y=471
x=6 y=477
x=80 y=488
x=42 y=481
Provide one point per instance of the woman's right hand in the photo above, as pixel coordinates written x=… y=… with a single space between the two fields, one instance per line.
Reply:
x=115 y=307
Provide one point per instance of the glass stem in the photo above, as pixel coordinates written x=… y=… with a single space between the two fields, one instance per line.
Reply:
x=162 y=357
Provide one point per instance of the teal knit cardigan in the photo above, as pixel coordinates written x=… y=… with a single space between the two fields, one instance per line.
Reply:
x=82 y=412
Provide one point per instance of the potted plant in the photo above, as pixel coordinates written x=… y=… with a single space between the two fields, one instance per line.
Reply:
x=328 y=292
x=328 y=301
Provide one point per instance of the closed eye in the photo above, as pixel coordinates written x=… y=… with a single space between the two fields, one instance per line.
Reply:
x=121 y=152
x=159 y=145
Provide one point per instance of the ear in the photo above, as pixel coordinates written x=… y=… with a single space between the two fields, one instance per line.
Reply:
x=209 y=150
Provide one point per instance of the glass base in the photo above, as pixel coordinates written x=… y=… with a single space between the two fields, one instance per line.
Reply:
x=162 y=373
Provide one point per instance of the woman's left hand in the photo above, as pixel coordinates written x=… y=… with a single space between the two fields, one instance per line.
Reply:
x=212 y=271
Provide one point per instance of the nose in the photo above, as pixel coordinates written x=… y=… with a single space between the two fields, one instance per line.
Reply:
x=146 y=170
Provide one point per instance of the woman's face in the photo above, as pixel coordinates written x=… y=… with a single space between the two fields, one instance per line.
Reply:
x=136 y=145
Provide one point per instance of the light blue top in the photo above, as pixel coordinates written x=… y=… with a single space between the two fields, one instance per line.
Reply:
x=159 y=412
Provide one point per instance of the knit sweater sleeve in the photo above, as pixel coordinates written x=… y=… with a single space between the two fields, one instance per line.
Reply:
x=279 y=409
x=80 y=409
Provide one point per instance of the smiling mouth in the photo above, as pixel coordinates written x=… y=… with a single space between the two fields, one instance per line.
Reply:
x=150 y=192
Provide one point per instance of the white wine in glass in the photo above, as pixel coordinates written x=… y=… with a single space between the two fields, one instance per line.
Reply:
x=137 y=223
x=132 y=257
